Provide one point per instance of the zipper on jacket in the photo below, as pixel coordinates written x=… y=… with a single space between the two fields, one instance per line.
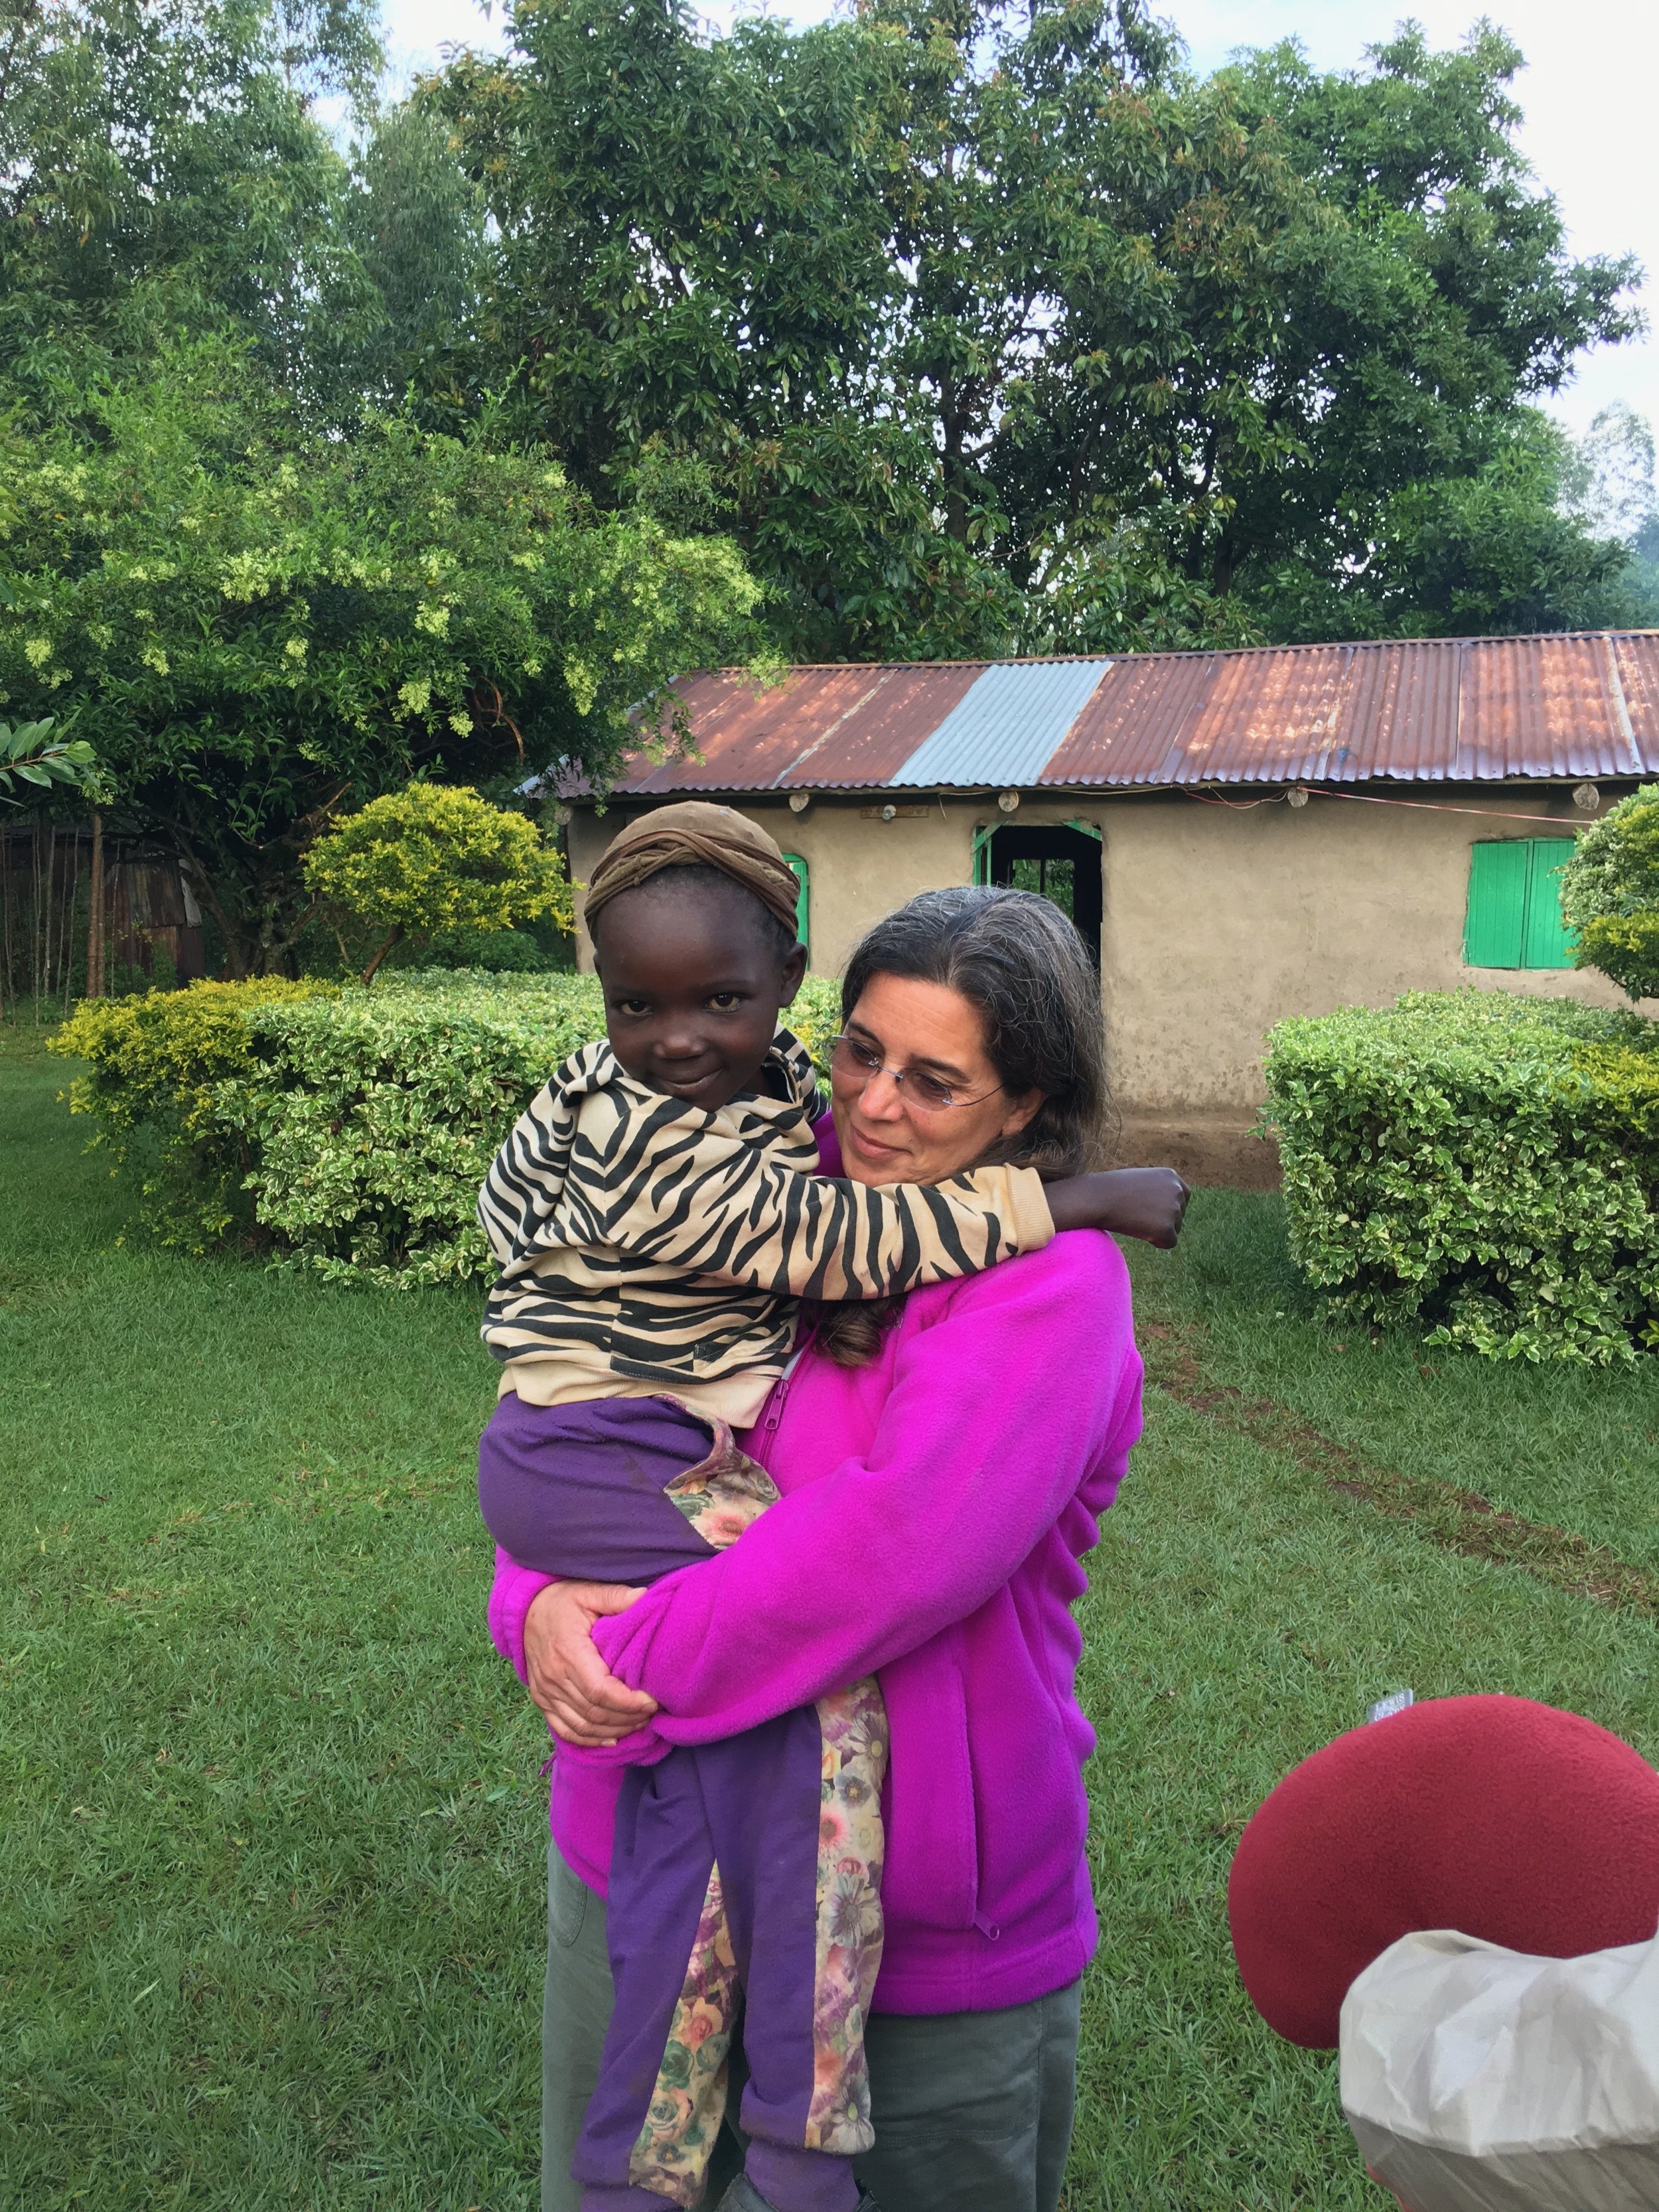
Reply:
x=774 y=1404
x=769 y=1425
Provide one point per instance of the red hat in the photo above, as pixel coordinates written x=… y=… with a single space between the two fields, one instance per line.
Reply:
x=1507 y=1819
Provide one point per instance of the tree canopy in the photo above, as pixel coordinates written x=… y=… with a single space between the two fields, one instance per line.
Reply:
x=256 y=624
x=977 y=327
x=985 y=327
x=165 y=166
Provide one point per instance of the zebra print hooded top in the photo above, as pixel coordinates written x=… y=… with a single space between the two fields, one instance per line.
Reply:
x=649 y=1247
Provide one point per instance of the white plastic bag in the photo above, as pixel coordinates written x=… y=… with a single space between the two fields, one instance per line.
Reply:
x=1481 y=2079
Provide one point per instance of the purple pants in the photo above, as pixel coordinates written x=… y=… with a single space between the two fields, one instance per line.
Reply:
x=746 y=1874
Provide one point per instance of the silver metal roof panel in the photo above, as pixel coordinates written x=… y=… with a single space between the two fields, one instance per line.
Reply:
x=1005 y=728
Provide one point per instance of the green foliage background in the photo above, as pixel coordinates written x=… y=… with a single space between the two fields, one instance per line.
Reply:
x=986 y=329
x=258 y=623
x=345 y=1131
x=1610 y=894
x=436 y=443
x=1483 y=1162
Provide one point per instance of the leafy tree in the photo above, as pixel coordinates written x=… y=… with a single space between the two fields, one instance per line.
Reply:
x=1610 y=894
x=259 y=625
x=165 y=166
x=1466 y=554
x=418 y=224
x=1642 y=574
x=1463 y=555
x=1112 y=587
x=1607 y=478
x=986 y=325
x=1446 y=303
x=431 y=859
x=1607 y=486
x=692 y=267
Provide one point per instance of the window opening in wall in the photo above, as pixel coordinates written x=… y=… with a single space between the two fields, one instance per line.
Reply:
x=1050 y=879
x=803 y=899
x=1059 y=861
x=1514 y=918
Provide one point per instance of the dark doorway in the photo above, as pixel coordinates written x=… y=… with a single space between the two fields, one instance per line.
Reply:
x=1061 y=863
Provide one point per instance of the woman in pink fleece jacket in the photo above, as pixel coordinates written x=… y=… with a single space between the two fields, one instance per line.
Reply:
x=936 y=1497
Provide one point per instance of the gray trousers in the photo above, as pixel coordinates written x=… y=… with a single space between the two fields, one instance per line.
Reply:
x=972 y=2110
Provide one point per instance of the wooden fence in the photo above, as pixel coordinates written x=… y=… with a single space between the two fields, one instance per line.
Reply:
x=82 y=914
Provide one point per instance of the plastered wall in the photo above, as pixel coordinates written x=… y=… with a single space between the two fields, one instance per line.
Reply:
x=1220 y=920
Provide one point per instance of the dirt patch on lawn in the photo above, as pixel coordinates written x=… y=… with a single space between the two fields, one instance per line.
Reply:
x=1219 y=1150
x=1460 y=1520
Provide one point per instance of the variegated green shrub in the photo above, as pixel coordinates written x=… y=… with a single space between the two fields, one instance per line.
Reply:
x=371 y=1118
x=1481 y=1163
x=1610 y=894
x=436 y=858
x=353 y=1126
x=156 y=1064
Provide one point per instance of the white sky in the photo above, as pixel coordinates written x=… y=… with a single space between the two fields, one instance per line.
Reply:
x=1588 y=96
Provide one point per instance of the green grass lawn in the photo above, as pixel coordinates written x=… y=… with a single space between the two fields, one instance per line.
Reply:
x=270 y=1913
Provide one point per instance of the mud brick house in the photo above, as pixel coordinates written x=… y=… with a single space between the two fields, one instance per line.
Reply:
x=1239 y=835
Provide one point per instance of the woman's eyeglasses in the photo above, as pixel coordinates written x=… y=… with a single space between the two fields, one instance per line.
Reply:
x=855 y=1062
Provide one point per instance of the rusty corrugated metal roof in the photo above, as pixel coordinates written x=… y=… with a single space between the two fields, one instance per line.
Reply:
x=1636 y=661
x=1541 y=706
x=1417 y=710
x=851 y=726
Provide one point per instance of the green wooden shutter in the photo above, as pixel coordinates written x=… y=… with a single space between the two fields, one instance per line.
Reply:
x=1495 y=930
x=982 y=853
x=1544 y=942
x=803 y=899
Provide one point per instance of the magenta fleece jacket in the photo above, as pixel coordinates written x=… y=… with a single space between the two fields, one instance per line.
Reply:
x=935 y=1507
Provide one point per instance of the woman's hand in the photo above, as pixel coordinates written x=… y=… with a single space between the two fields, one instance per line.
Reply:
x=1144 y=1202
x=583 y=1701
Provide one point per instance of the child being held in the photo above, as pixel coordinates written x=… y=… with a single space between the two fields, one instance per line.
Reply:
x=657 y=1215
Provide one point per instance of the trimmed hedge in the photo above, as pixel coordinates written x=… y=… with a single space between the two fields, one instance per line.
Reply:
x=156 y=1063
x=346 y=1131
x=1483 y=1163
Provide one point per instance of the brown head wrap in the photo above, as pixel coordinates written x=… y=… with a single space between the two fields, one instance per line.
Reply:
x=696 y=835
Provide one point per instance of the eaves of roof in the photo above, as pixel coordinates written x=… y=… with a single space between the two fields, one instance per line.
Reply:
x=1563 y=705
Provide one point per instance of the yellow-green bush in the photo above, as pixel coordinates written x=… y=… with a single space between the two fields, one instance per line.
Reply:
x=1483 y=1162
x=435 y=859
x=347 y=1130
x=156 y=1064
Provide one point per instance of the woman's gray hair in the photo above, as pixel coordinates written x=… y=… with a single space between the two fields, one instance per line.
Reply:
x=1024 y=968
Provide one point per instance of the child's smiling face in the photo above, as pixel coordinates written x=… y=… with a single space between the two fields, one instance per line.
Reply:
x=693 y=983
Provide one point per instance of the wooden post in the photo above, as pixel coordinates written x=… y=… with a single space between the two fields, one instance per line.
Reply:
x=95 y=912
x=68 y=921
x=50 y=885
x=5 y=912
x=36 y=842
